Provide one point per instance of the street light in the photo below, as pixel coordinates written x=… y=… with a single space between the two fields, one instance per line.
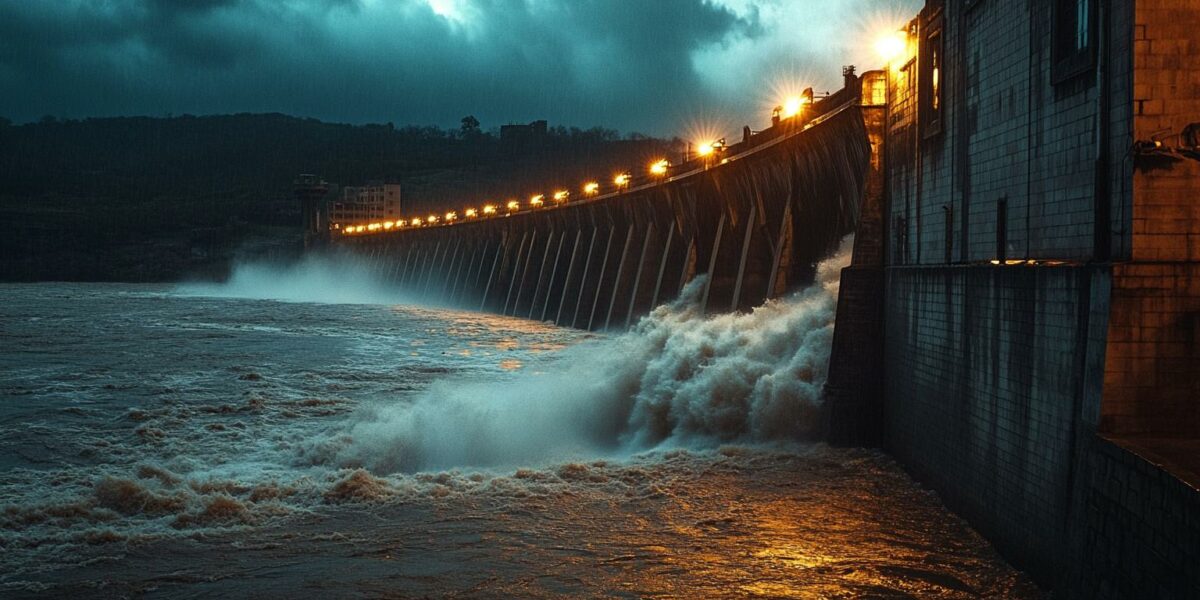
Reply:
x=489 y=209
x=792 y=106
x=451 y=216
x=561 y=196
x=622 y=180
x=536 y=201
x=659 y=167
x=513 y=206
x=892 y=45
x=591 y=188
x=471 y=213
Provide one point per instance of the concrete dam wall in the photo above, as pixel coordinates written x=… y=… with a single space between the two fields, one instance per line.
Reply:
x=754 y=223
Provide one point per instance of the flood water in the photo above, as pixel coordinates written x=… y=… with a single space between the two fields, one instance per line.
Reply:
x=309 y=432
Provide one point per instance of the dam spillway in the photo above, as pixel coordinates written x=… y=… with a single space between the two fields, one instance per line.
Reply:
x=754 y=223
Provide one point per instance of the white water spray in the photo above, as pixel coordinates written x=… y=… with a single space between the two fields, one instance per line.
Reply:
x=676 y=379
x=322 y=278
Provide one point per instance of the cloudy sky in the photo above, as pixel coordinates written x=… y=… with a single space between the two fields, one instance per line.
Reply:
x=665 y=67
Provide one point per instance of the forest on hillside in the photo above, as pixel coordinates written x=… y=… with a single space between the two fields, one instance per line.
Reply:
x=157 y=199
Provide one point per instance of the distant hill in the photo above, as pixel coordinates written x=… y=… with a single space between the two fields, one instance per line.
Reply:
x=150 y=199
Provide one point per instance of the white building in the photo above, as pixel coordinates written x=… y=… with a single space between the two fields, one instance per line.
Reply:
x=365 y=204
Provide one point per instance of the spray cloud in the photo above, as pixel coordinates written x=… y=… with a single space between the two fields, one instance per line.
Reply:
x=676 y=379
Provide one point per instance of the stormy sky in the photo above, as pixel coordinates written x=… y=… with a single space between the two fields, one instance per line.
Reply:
x=663 y=67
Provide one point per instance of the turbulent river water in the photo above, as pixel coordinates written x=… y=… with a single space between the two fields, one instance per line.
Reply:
x=309 y=432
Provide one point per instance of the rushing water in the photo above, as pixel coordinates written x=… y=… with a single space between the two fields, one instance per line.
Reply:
x=215 y=440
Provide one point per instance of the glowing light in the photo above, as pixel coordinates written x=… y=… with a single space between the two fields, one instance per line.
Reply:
x=373 y=227
x=431 y=219
x=704 y=149
x=792 y=106
x=659 y=167
x=621 y=180
x=591 y=188
x=537 y=200
x=513 y=206
x=451 y=216
x=472 y=213
x=561 y=195
x=489 y=209
x=388 y=224
x=892 y=45
x=348 y=231
x=416 y=222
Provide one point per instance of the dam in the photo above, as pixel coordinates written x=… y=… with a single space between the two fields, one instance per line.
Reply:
x=1019 y=322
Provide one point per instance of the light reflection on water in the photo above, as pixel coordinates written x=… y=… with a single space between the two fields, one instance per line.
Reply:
x=185 y=446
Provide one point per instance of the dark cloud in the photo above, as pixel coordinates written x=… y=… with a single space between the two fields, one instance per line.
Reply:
x=619 y=63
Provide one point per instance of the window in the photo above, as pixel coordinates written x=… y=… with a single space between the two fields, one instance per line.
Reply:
x=1074 y=38
x=932 y=76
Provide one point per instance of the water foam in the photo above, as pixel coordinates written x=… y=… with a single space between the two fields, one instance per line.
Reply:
x=677 y=379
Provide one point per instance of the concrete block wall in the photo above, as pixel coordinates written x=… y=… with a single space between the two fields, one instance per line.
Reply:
x=1010 y=133
x=985 y=394
x=1138 y=530
x=1001 y=381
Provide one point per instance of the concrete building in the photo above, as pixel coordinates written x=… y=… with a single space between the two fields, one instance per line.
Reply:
x=1041 y=283
x=362 y=204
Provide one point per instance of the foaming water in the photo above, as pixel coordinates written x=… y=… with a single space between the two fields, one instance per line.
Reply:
x=356 y=445
x=677 y=379
x=329 y=278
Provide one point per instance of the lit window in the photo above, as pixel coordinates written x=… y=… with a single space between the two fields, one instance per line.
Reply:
x=931 y=76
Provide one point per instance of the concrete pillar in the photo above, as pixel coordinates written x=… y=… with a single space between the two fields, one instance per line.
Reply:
x=617 y=284
x=600 y=280
x=566 y=288
x=474 y=284
x=436 y=268
x=774 y=285
x=746 y=238
x=512 y=280
x=410 y=265
x=541 y=274
x=553 y=277
x=430 y=265
x=637 y=277
x=524 y=272
x=463 y=285
x=447 y=278
x=712 y=263
x=500 y=251
x=662 y=266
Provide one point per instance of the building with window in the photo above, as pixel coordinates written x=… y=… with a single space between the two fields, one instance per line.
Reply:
x=373 y=202
x=1041 y=281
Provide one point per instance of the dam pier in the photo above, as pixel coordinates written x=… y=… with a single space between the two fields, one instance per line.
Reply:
x=1020 y=323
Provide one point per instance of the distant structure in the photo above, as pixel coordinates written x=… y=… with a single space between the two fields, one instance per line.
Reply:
x=521 y=135
x=311 y=191
x=375 y=201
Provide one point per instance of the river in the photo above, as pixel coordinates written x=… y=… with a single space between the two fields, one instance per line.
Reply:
x=309 y=431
